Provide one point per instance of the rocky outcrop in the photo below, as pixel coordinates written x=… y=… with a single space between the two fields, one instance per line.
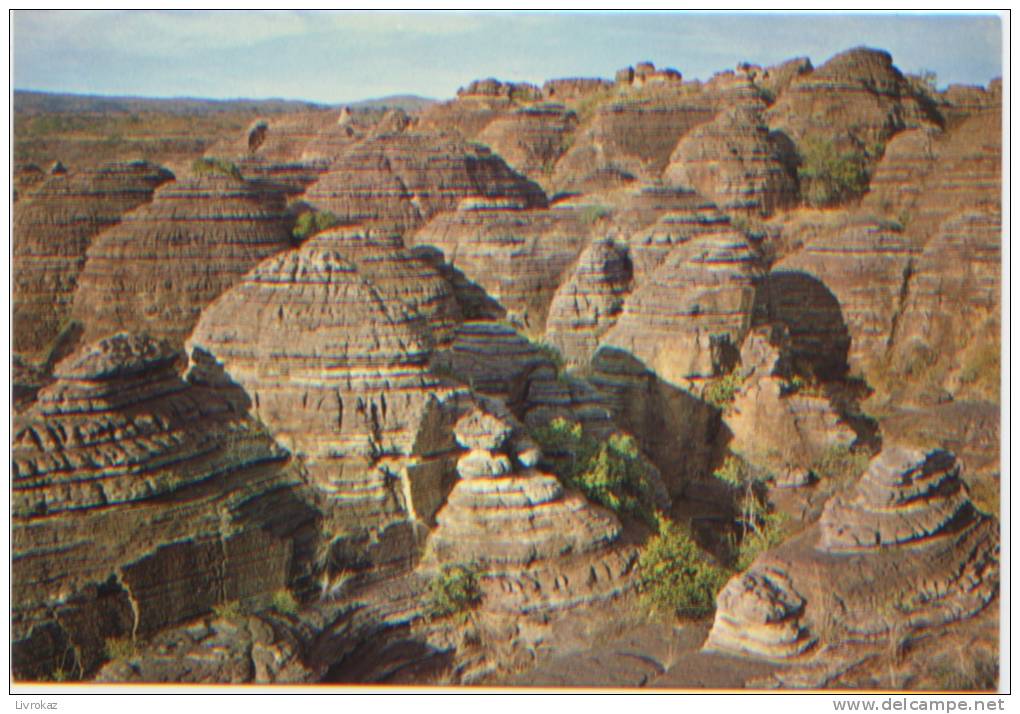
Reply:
x=518 y=257
x=903 y=553
x=531 y=139
x=857 y=100
x=397 y=182
x=574 y=88
x=53 y=229
x=331 y=341
x=588 y=303
x=119 y=443
x=696 y=305
x=157 y=269
x=645 y=74
x=735 y=161
x=497 y=361
x=531 y=538
x=842 y=295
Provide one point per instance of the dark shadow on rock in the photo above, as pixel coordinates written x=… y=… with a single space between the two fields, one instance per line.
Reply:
x=475 y=303
x=819 y=338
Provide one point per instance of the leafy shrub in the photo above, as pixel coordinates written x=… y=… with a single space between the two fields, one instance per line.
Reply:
x=454 y=589
x=721 y=391
x=732 y=471
x=768 y=531
x=230 y=611
x=312 y=222
x=283 y=601
x=673 y=575
x=828 y=177
x=612 y=473
x=211 y=166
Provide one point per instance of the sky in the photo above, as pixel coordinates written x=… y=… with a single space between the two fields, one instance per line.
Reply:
x=335 y=57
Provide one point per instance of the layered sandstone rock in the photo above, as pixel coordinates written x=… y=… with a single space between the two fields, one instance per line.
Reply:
x=531 y=538
x=531 y=139
x=119 y=443
x=588 y=303
x=735 y=161
x=518 y=257
x=842 y=295
x=903 y=553
x=53 y=229
x=157 y=269
x=696 y=303
x=331 y=341
x=400 y=181
x=574 y=88
x=857 y=99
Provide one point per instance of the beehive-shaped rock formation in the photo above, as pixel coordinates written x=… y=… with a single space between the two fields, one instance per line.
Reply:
x=399 y=181
x=697 y=301
x=735 y=161
x=904 y=552
x=331 y=341
x=53 y=229
x=157 y=269
x=589 y=301
x=531 y=139
x=857 y=99
x=119 y=444
x=518 y=257
x=531 y=538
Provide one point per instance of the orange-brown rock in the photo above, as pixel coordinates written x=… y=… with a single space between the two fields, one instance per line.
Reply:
x=857 y=99
x=518 y=257
x=574 y=88
x=531 y=139
x=330 y=342
x=157 y=269
x=588 y=303
x=905 y=552
x=735 y=161
x=53 y=229
x=120 y=444
x=400 y=181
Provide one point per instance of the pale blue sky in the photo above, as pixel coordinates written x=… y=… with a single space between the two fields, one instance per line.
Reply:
x=335 y=57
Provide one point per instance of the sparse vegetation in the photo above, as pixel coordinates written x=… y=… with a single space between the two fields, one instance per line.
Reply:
x=721 y=391
x=674 y=576
x=841 y=464
x=212 y=166
x=760 y=528
x=829 y=177
x=972 y=672
x=231 y=611
x=454 y=589
x=312 y=222
x=283 y=601
x=612 y=473
x=595 y=213
x=119 y=649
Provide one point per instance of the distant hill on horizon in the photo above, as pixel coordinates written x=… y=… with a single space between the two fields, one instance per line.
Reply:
x=35 y=102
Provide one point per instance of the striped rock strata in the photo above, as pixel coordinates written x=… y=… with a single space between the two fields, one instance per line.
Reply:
x=735 y=161
x=531 y=139
x=157 y=269
x=539 y=546
x=120 y=444
x=53 y=229
x=331 y=341
x=588 y=303
x=906 y=551
x=397 y=182
x=518 y=257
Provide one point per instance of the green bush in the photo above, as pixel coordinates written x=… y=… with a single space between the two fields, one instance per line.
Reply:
x=454 y=589
x=230 y=611
x=312 y=222
x=612 y=473
x=211 y=166
x=283 y=602
x=828 y=177
x=674 y=576
x=721 y=391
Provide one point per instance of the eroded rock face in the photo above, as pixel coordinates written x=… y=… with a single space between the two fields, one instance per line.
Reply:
x=119 y=443
x=857 y=99
x=530 y=536
x=531 y=139
x=397 y=182
x=331 y=341
x=904 y=552
x=735 y=161
x=53 y=229
x=698 y=301
x=518 y=257
x=588 y=303
x=157 y=269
